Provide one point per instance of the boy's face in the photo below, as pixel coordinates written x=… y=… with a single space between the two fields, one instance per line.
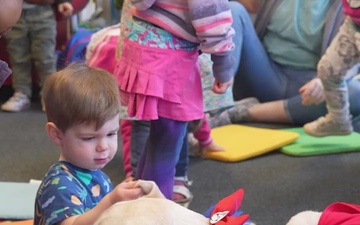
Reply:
x=87 y=148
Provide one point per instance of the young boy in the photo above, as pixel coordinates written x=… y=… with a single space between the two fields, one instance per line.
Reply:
x=33 y=39
x=82 y=107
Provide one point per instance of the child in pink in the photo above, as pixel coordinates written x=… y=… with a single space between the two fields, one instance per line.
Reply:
x=342 y=54
x=159 y=78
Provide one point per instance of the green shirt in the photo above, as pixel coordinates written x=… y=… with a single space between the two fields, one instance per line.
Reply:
x=295 y=33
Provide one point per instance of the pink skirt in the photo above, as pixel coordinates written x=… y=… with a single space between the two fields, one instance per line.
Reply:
x=158 y=82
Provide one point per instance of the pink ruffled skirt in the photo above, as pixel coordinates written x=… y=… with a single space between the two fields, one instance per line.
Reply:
x=158 y=82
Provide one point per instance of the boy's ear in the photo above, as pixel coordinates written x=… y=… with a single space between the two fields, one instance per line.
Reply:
x=54 y=133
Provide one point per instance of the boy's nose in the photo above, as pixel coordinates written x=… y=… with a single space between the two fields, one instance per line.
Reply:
x=102 y=146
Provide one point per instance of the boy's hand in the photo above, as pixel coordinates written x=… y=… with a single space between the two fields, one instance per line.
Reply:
x=312 y=92
x=66 y=9
x=126 y=191
x=220 y=88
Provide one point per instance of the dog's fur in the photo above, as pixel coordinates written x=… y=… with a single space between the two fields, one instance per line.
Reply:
x=151 y=209
x=305 y=218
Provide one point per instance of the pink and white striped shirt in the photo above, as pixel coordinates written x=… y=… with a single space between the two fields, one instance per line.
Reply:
x=207 y=22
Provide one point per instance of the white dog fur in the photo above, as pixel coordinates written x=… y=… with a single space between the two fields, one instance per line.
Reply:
x=151 y=209
x=305 y=218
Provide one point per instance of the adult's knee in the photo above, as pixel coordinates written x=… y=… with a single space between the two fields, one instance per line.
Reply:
x=354 y=93
x=237 y=9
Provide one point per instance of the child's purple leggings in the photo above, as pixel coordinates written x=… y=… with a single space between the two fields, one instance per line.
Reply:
x=162 y=150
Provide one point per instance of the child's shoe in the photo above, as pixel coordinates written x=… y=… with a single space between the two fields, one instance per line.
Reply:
x=182 y=194
x=18 y=102
x=325 y=126
x=238 y=113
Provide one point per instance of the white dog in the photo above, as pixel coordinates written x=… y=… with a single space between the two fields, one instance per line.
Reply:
x=155 y=209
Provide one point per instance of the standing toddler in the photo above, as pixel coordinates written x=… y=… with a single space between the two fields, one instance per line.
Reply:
x=342 y=54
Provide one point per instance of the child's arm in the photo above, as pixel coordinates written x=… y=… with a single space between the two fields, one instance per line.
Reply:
x=122 y=192
x=252 y=6
x=65 y=8
x=212 y=21
x=142 y=4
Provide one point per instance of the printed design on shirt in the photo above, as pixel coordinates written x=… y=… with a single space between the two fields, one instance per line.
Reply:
x=147 y=34
x=95 y=190
x=87 y=178
x=68 y=191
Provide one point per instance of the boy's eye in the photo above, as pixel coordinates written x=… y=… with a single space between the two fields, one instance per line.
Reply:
x=87 y=138
x=112 y=134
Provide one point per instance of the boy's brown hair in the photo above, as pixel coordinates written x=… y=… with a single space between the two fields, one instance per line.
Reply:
x=80 y=94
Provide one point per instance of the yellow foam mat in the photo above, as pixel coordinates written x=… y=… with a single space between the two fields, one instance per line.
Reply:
x=244 y=142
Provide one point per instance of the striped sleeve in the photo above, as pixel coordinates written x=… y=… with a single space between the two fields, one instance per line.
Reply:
x=212 y=21
x=143 y=4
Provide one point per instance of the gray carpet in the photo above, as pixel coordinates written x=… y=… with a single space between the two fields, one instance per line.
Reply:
x=276 y=186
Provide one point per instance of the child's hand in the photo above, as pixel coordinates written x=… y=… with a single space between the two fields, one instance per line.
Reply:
x=312 y=92
x=220 y=88
x=66 y=9
x=212 y=147
x=125 y=191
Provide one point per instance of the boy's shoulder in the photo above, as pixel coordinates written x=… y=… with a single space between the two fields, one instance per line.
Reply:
x=60 y=174
x=65 y=174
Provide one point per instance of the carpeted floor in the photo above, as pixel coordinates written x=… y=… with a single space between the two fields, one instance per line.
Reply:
x=276 y=186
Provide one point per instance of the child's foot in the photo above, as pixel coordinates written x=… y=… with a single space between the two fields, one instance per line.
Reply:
x=325 y=126
x=182 y=194
x=219 y=120
x=238 y=113
x=213 y=147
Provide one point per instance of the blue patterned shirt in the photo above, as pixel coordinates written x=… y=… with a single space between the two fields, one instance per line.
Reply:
x=67 y=190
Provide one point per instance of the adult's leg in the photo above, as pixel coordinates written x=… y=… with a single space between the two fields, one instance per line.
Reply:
x=256 y=76
x=161 y=153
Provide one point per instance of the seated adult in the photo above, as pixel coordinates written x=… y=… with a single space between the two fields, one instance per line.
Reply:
x=277 y=60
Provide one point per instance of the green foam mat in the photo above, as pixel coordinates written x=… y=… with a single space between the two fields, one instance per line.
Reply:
x=307 y=145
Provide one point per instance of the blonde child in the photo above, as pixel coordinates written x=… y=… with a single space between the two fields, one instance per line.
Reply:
x=82 y=107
